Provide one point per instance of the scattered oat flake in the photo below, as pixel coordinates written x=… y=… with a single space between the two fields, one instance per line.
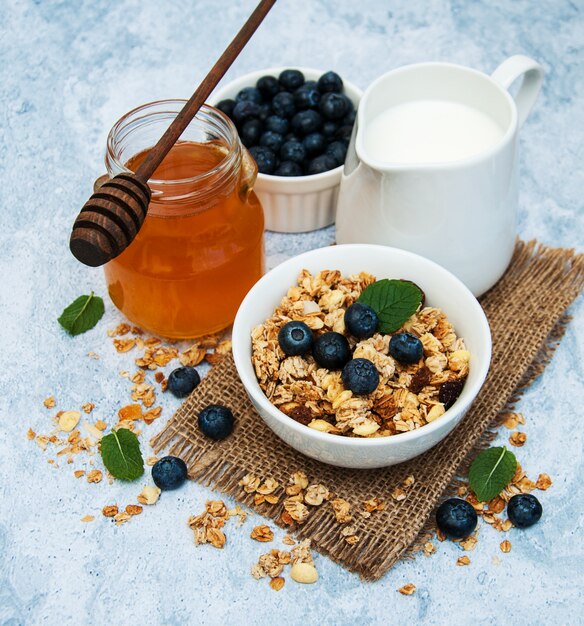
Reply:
x=517 y=439
x=122 y=518
x=288 y=540
x=88 y=407
x=429 y=548
x=88 y=518
x=124 y=345
x=470 y=543
x=463 y=560
x=49 y=402
x=262 y=533
x=134 y=509
x=30 y=434
x=110 y=510
x=94 y=476
x=408 y=590
x=277 y=583
x=505 y=546
x=151 y=460
x=341 y=510
x=93 y=355
x=543 y=482
x=79 y=473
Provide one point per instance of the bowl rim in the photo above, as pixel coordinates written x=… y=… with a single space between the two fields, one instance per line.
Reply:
x=241 y=81
x=241 y=334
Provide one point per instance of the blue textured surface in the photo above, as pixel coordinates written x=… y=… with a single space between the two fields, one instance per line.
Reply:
x=68 y=71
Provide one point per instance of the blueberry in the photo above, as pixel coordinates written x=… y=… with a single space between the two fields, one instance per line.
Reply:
x=449 y=392
x=283 y=104
x=265 y=159
x=182 y=381
x=309 y=84
x=524 y=510
x=337 y=150
x=329 y=128
x=306 y=97
x=169 y=473
x=216 y=421
x=226 y=106
x=331 y=350
x=272 y=140
x=361 y=320
x=265 y=111
x=349 y=118
x=249 y=93
x=291 y=79
x=295 y=338
x=330 y=81
x=314 y=144
x=456 y=518
x=306 y=122
x=244 y=110
x=405 y=348
x=293 y=150
x=320 y=164
x=250 y=132
x=268 y=86
x=277 y=124
x=343 y=133
x=334 y=106
x=288 y=168
x=360 y=376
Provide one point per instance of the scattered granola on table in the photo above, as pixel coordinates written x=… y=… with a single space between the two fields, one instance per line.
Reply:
x=407 y=396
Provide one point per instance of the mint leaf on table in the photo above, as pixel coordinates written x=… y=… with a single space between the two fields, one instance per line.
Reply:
x=394 y=301
x=491 y=472
x=82 y=314
x=120 y=452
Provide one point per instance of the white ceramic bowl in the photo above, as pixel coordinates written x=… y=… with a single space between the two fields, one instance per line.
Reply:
x=442 y=290
x=301 y=203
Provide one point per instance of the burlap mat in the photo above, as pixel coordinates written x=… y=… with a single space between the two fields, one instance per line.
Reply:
x=526 y=312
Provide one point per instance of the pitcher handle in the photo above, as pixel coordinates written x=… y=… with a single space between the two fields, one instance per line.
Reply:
x=510 y=70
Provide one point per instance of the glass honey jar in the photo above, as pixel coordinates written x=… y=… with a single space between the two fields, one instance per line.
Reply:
x=201 y=246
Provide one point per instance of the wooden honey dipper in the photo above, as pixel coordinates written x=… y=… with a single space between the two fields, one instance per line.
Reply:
x=113 y=215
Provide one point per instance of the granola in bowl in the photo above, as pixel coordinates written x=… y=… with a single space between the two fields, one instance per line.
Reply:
x=407 y=395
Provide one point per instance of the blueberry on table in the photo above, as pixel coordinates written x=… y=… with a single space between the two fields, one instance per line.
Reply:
x=169 y=473
x=251 y=132
x=295 y=338
x=331 y=350
x=320 y=164
x=293 y=150
x=334 y=105
x=244 y=110
x=249 y=93
x=291 y=79
x=288 y=168
x=329 y=82
x=314 y=144
x=265 y=159
x=226 y=106
x=361 y=320
x=524 y=510
x=283 y=104
x=268 y=86
x=360 y=376
x=182 y=381
x=272 y=140
x=306 y=97
x=277 y=124
x=456 y=518
x=406 y=348
x=216 y=421
x=305 y=122
x=337 y=150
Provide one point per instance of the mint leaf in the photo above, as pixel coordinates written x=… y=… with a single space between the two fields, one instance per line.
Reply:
x=82 y=314
x=394 y=301
x=120 y=452
x=491 y=472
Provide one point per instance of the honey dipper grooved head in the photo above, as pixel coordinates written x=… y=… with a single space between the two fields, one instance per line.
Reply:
x=109 y=220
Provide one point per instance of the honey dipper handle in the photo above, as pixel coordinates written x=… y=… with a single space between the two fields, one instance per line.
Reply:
x=113 y=215
x=188 y=112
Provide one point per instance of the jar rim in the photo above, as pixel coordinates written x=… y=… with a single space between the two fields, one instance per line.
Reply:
x=231 y=136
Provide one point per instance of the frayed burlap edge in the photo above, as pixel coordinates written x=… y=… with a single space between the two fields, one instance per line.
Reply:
x=525 y=311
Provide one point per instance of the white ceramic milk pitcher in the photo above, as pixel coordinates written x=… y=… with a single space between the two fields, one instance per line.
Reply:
x=460 y=213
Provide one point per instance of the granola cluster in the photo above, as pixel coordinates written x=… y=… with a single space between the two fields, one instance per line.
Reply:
x=407 y=396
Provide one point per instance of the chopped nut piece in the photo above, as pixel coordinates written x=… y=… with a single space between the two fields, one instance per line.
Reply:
x=470 y=543
x=304 y=573
x=193 y=356
x=68 y=420
x=398 y=494
x=435 y=412
x=543 y=482
x=250 y=483
x=130 y=412
x=429 y=548
x=296 y=510
x=407 y=590
x=216 y=537
x=374 y=504
x=100 y=425
x=88 y=407
x=505 y=546
x=124 y=345
x=122 y=518
x=49 y=402
x=463 y=560
x=110 y=511
x=30 y=434
x=149 y=495
x=133 y=509
x=277 y=583
x=88 y=518
x=517 y=439
x=79 y=473
x=262 y=533
x=342 y=510
x=316 y=494
x=288 y=540
x=94 y=476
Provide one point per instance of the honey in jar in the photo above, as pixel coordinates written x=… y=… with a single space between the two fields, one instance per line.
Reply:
x=200 y=248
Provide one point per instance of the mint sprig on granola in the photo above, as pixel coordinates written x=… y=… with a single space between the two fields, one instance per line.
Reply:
x=394 y=301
